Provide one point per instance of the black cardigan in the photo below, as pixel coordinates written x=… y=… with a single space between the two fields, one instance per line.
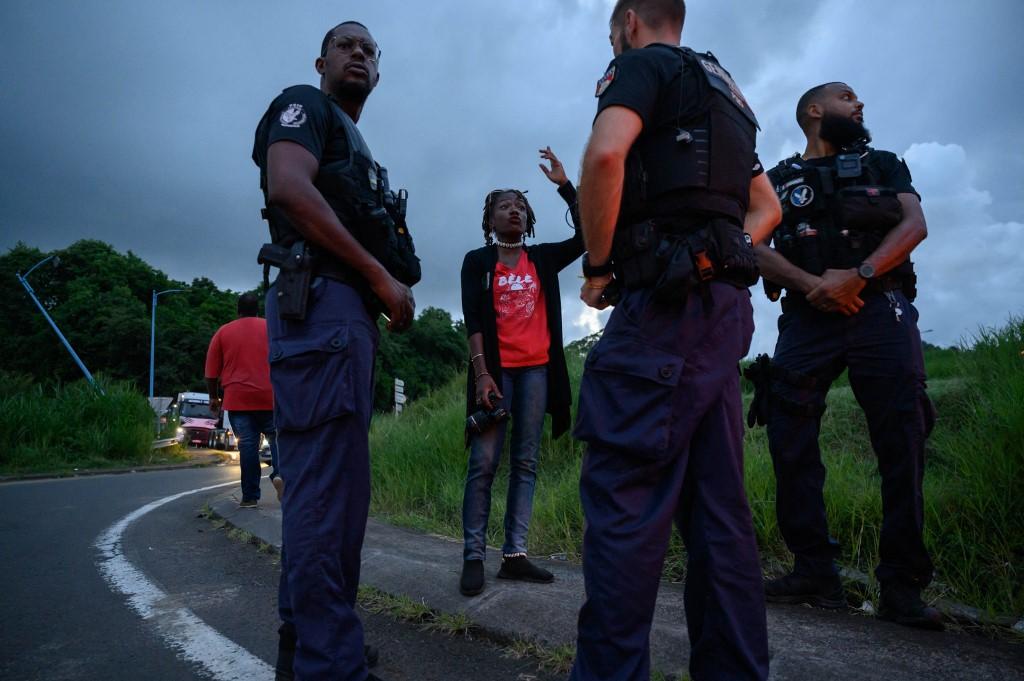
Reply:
x=478 y=312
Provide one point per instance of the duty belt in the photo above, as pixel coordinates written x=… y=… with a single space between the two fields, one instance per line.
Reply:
x=886 y=282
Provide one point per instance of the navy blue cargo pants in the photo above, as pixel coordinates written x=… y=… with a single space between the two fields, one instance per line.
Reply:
x=881 y=346
x=660 y=411
x=322 y=371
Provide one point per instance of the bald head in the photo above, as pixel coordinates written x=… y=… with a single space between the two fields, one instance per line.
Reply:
x=813 y=96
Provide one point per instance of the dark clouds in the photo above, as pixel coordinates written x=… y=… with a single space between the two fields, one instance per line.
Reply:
x=132 y=122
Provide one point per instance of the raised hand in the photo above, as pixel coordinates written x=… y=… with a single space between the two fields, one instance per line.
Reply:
x=556 y=173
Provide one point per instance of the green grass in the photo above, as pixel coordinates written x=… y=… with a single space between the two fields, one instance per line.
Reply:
x=61 y=428
x=973 y=482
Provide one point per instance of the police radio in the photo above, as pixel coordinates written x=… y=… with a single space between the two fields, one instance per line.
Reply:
x=848 y=165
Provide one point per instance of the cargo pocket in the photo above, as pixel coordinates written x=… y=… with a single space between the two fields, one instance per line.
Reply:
x=312 y=378
x=626 y=397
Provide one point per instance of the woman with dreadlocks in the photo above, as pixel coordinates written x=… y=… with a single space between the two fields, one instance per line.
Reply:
x=513 y=315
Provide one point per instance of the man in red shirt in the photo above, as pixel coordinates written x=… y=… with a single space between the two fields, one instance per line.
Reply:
x=237 y=362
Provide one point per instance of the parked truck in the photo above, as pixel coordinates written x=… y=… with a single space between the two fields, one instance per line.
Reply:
x=199 y=427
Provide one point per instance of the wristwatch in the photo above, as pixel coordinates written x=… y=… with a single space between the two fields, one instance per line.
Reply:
x=596 y=270
x=866 y=271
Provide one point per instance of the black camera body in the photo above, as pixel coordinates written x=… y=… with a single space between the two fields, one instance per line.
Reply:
x=483 y=420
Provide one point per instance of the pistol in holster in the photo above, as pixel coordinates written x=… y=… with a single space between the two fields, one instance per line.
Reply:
x=292 y=285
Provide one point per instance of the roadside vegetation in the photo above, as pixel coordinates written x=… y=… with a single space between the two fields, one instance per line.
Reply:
x=61 y=428
x=101 y=300
x=973 y=480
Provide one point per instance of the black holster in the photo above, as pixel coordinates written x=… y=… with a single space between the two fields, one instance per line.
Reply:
x=296 y=273
x=760 y=375
x=674 y=259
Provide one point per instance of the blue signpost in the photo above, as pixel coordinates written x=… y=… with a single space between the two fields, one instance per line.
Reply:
x=23 y=278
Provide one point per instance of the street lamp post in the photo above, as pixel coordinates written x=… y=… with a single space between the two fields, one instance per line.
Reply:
x=152 y=347
x=23 y=278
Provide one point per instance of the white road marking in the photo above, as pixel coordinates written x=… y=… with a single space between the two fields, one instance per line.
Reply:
x=192 y=639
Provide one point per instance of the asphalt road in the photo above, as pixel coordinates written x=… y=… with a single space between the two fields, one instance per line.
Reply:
x=66 y=615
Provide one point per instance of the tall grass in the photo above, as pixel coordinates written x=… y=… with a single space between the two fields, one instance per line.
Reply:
x=60 y=427
x=973 y=481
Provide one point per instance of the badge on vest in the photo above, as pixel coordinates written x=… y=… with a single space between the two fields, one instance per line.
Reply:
x=293 y=117
x=801 y=196
x=605 y=81
x=722 y=76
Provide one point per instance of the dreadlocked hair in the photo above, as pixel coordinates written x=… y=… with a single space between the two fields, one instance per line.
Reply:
x=489 y=202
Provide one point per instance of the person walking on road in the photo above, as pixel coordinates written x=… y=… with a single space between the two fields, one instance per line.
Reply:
x=236 y=362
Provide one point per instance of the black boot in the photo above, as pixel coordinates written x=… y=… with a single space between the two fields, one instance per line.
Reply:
x=472 y=581
x=821 y=592
x=286 y=640
x=518 y=567
x=901 y=603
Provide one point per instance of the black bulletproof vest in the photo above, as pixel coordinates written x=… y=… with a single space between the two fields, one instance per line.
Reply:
x=357 y=190
x=354 y=187
x=694 y=158
x=833 y=216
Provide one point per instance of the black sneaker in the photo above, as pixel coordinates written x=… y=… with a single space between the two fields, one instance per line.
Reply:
x=518 y=567
x=472 y=581
x=901 y=603
x=248 y=503
x=821 y=592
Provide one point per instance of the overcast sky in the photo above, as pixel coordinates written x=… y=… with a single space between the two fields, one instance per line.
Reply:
x=132 y=122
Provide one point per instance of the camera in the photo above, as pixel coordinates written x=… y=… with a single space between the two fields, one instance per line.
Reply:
x=483 y=419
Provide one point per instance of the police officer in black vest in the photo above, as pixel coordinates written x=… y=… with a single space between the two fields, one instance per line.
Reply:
x=850 y=221
x=669 y=211
x=345 y=255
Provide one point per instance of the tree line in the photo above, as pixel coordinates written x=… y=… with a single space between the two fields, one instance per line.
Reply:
x=101 y=299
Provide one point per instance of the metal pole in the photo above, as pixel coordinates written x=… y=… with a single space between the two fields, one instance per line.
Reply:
x=74 y=355
x=152 y=348
x=152 y=345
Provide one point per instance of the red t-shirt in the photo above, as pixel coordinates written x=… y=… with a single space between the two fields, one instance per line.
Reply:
x=238 y=357
x=523 y=336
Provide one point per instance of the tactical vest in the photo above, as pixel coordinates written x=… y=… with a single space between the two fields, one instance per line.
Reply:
x=835 y=216
x=357 y=190
x=694 y=159
x=686 y=190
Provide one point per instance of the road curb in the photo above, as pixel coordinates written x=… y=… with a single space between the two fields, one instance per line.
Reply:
x=425 y=567
x=214 y=459
x=500 y=637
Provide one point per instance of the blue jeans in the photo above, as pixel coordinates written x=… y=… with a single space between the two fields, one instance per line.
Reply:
x=248 y=425
x=525 y=393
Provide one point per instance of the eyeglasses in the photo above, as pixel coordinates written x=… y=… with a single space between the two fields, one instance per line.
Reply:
x=348 y=45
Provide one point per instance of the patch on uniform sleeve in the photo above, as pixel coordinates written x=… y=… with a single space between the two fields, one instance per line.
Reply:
x=293 y=116
x=605 y=81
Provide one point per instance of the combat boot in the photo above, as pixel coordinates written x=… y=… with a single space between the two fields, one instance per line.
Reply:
x=821 y=592
x=901 y=603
